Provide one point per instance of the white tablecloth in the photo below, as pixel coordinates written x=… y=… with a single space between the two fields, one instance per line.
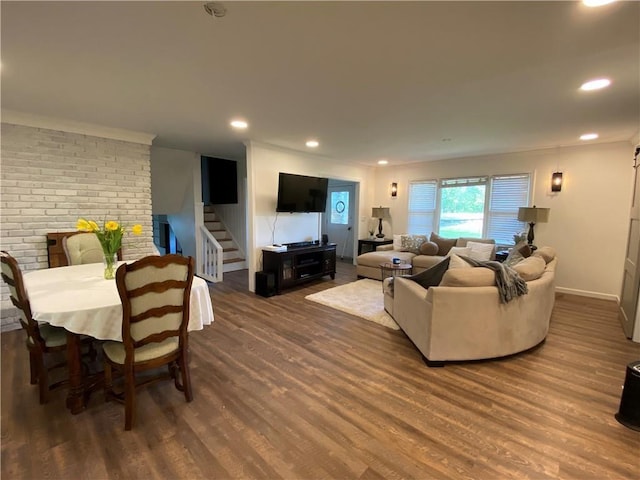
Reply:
x=79 y=299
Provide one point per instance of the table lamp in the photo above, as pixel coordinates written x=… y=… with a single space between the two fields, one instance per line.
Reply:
x=380 y=213
x=532 y=215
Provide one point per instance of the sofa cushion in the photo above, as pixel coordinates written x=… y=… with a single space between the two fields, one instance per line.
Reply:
x=469 y=277
x=457 y=262
x=412 y=243
x=432 y=276
x=547 y=253
x=429 y=248
x=480 y=251
x=374 y=259
x=530 y=268
x=444 y=244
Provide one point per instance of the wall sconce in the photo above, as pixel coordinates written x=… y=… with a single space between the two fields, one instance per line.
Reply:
x=556 y=182
x=394 y=189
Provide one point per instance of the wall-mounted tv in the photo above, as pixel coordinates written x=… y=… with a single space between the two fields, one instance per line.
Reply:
x=301 y=193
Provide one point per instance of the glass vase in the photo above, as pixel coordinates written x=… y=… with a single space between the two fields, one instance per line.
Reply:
x=110 y=261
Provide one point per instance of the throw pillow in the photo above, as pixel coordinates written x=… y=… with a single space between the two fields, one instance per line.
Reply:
x=444 y=244
x=524 y=249
x=547 y=253
x=513 y=258
x=480 y=251
x=466 y=251
x=429 y=248
x=433 y=276
x=412 y=243
x=457 y=262
x=530 y=268
x=397 y=242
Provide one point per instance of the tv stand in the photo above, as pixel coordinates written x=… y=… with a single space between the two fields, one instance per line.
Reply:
x=301 y=264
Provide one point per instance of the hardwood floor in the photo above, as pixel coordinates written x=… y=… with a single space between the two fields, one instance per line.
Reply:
x=287 y=388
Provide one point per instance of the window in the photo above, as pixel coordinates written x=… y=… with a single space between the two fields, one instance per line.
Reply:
x=469 y=207
x=340 y=208
x=508 y=192
x=462 y=207
x=422 y=207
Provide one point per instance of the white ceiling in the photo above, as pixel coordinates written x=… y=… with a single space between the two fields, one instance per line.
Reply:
x=406 y=81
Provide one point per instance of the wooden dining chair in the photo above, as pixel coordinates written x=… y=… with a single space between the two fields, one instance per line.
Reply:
x=42 y=339
x=82 y=248
x=155 y=293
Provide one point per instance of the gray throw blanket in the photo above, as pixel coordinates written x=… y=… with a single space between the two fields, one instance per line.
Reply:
x=510 y=284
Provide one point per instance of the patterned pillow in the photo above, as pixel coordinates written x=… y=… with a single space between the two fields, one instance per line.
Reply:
x=412 y=243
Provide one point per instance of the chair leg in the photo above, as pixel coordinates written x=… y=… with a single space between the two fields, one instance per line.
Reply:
x=43 y=379
x=129 y=399
x=108 y=381
x=33 y=367
x=186 y=376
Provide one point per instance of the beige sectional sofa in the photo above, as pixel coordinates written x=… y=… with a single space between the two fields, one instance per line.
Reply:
x=463 y=318
x=368 y=264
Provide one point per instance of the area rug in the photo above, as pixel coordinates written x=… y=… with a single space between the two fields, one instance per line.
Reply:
x=363 y=298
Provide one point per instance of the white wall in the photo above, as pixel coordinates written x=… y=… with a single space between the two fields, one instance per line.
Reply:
x=177 y=188
x=171 y=178
x=50 y=178
x=264 y=162
x=588 y=218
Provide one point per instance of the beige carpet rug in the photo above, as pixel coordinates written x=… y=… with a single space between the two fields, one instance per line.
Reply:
x=362 y=298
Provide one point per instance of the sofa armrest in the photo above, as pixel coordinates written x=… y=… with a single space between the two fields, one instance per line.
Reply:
x=412 y=312
x=382 y=248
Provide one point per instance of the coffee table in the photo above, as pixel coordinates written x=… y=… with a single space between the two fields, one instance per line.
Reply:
x=393 y=269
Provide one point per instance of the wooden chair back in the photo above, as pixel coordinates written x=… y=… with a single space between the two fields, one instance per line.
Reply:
x=12 y=276
x=155 y=293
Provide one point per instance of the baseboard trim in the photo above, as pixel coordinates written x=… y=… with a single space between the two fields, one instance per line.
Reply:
x=586 y=293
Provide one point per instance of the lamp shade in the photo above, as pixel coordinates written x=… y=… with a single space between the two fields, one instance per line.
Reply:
x=380 y=212
x=533 y=214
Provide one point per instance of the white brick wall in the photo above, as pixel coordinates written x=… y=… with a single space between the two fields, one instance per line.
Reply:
x=49 y=178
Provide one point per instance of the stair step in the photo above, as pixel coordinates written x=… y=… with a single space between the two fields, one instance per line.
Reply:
x=213 y=225
x=210 y=217
x=232 y=260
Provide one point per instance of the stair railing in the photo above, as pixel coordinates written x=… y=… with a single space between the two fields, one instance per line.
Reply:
x=210 y=265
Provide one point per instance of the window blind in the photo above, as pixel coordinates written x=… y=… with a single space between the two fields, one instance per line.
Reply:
x=508 y=193
x=422 y=207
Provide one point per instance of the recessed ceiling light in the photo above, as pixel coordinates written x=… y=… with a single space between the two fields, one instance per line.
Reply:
x=589 y=136
x=596 y=3
x=596 y=84
x=312 y=143
x=239 y=124
x=383 y=162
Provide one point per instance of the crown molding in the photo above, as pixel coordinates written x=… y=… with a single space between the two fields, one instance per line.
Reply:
x=71 y=126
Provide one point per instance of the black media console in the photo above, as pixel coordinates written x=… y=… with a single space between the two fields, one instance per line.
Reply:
x=300 y=264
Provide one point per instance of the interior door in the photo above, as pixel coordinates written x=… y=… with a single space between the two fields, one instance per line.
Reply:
x=631 y=280
x=338 y=219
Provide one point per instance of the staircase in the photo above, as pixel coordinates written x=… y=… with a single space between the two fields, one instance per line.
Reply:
x=232 y=257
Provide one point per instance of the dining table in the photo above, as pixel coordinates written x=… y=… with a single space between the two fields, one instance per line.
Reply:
x=79 y=299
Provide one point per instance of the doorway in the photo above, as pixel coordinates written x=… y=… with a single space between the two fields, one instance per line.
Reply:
x=631 y=280
x=338 y=222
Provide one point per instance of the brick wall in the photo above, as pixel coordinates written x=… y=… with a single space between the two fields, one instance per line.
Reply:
x=49 y=178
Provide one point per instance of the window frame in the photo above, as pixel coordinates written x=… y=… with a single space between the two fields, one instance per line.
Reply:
x=487 y=180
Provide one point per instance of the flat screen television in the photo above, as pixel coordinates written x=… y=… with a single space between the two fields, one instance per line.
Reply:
x=301 y=193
